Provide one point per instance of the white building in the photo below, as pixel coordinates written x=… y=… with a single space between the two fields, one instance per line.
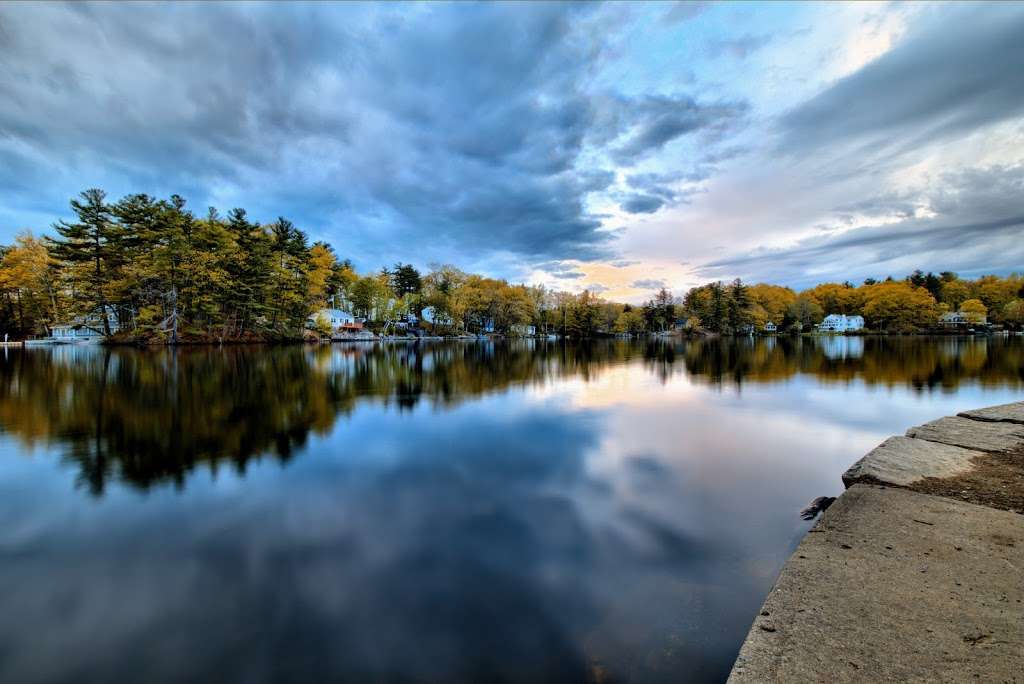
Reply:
x=770 y=327
x=841 y=323
x=86 y=328
x=958 y=319
x=336 y=318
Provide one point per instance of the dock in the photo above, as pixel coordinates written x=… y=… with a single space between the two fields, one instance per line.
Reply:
x=914 y=573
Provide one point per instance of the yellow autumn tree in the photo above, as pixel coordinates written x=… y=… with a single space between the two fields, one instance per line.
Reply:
x=321 y=266
x=837 y=298
x=25 y=272
x=774 y=301
x=974 y=311
x=1013 y=312
x=897 y=306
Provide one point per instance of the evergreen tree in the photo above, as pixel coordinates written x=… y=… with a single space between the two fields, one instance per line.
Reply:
x=405 y=279
x=738 y=306
x=91 y=240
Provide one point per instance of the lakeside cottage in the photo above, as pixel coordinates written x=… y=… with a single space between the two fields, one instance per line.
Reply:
x=338 y=319
x=958 y=319
x=87 y=328
x=770 y=327
x=841 y=323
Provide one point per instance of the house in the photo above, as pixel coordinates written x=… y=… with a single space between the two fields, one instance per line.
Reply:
x=841 y=323
x=770 y=327
x=958 y=319
x=87 y=328
x=337 y=319
x=523 y=330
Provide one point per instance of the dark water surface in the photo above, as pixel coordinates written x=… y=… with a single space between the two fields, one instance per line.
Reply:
x=454 y=512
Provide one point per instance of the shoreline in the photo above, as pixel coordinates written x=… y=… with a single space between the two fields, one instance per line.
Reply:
x=46 y=342
x=913 y=573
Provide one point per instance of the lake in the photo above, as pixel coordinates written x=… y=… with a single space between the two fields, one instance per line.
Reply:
x=518 y=511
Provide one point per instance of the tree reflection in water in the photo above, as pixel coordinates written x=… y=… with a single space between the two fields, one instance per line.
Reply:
x=146 y=417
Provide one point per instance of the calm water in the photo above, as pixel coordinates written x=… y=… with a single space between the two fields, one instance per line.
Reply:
x=455 y=512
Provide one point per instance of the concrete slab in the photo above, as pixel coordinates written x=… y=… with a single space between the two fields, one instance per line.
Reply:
x=979 y=435
x=892 y=585
x=1005 y=413
x=903 y=461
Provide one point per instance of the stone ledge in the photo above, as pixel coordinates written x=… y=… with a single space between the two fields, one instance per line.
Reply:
x=903 y=461
x=999 y=437
x=892 y=585
x=1005 y=413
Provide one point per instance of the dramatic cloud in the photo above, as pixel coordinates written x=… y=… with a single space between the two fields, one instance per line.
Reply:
x=379 y=127
x=973 y=219
x=951 y=75
x=506 y=136
x=660 y=120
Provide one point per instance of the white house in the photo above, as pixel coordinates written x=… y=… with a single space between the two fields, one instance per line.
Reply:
x=958 y=319
x=770 y=327
x=87 y=328
x=841 y=323
x=336 y=318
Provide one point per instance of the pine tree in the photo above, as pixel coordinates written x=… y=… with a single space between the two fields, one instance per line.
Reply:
x=92 y=240
x=739 y=306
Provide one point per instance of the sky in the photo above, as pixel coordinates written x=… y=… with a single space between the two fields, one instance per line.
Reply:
x=613 y=147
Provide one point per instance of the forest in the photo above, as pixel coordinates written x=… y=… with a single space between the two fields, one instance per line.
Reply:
x=165 y=274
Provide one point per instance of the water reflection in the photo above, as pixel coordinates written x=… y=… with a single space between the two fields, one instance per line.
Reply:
x=145 y=417
x=941 y=363
x=452 y=512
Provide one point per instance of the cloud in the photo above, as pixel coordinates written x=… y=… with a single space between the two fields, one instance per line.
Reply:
x=648 y=284
x=972 y=224
x=642 y=204
x=498 y=136
x=469 y=131
x=685 y=10
x=953 y=73
x=740 y=47
x=568 y=275
x=658 y=120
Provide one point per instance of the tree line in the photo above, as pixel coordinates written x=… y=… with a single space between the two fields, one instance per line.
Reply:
x=150 y=269
x=162 y=273
x=911 y=304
